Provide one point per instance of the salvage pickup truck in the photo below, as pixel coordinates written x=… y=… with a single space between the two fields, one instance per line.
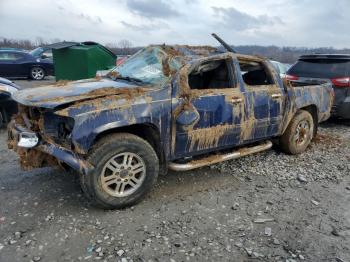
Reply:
x=166 y=107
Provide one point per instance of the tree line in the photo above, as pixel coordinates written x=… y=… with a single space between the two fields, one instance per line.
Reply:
x=125 y=47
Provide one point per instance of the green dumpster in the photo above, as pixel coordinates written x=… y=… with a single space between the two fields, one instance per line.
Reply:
x=74 y=61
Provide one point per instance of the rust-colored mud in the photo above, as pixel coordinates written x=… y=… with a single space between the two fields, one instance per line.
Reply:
x=207 y=137
x=62 y=83
x=30 y=159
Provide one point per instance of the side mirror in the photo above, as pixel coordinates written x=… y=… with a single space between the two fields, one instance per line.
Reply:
x=187 y=118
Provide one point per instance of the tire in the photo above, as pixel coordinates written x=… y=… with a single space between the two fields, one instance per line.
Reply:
x=37 y=73
x=298 y=134
x=116 y=184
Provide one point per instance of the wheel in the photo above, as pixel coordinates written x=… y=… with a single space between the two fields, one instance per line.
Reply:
x=298 y=134
x=126 y=168
x=37 y=73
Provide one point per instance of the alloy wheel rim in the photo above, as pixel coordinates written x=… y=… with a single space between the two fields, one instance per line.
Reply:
x=301 y=133
x=123 y=174
x=37 y=73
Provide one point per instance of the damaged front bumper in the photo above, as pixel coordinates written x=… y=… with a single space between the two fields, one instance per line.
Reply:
x=35 y=152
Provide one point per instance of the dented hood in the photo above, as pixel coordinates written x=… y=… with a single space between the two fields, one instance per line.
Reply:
x=65 y=92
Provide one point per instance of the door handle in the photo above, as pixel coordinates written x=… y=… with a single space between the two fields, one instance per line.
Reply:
x=236 y=100
x=276 y=95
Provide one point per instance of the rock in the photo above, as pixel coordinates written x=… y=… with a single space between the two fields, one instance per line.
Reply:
x=268 y=231
x=235 y=206
x=264 y=220
x=335 y=232
x=316 y=203
x=347 y=188
x=338 y=259
x=12 y=242
x=36 y=258
x=120 y=252
x=248 y=250
x=1 y=246
x=238 y=244
x=276 y=241
x=28 y=242
x=257 y=255
x=301 y=257
x=301 y=178
x=18 y=235
x=177 y=244
x=124 y=259
x=98 y=250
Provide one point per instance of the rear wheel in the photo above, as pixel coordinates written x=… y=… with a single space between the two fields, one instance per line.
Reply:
x=37 y=73
x=298 y=134
x=126 y=168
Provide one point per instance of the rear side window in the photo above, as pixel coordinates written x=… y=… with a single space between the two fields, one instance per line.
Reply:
x=8 y=56
x=321 y=68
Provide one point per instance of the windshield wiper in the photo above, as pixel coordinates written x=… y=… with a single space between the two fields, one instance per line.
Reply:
x=128 y=78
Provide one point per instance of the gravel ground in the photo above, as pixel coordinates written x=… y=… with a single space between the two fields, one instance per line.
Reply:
x=24 y=83
x=264 y=207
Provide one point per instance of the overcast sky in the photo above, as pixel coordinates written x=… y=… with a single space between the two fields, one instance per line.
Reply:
x=310 y=23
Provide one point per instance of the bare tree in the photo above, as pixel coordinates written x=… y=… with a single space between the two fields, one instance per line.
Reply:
x=125 y=46
x=39 y=41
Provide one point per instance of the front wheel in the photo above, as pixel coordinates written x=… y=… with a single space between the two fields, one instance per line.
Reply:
x=126 y=168
x=298 y=134
x=37 y=73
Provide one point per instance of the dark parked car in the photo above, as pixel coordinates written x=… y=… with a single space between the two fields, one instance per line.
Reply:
x=42 y=52
x=22 y=64
x=280 y=67
x=322 y=67
x=8 y=107
x=179 y=107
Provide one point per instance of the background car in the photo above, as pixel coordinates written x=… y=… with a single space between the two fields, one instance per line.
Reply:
x=12 y=49
x=15 y=63
x=324 y=67
x=42 y=52
x=280 y=67
x=8 y=107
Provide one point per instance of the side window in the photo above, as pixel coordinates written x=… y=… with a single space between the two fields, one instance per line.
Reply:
x=8 y=56
x=255 y=73
x=48 y=53
x=214 y=74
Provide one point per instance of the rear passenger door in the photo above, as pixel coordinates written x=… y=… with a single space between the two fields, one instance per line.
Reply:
x=264 y=99
x=12 y=64
x=6 y=63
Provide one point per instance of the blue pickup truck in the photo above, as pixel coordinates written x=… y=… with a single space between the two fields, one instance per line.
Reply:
x=166 y=107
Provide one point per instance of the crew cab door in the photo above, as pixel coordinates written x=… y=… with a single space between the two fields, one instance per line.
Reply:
x=264 y=98
x=207 y=107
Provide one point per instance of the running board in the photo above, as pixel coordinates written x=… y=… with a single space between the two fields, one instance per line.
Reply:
x=213 y=159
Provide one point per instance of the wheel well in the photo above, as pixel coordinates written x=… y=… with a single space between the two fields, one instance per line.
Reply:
x=148 y=132
x=312 y=109
x=30 y=69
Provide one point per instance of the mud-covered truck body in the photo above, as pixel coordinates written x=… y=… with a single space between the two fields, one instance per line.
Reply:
x=176 y=107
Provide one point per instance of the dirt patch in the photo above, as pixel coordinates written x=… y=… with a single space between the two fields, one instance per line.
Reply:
x=62 y=83
x=327 y=140
x=206 y=137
